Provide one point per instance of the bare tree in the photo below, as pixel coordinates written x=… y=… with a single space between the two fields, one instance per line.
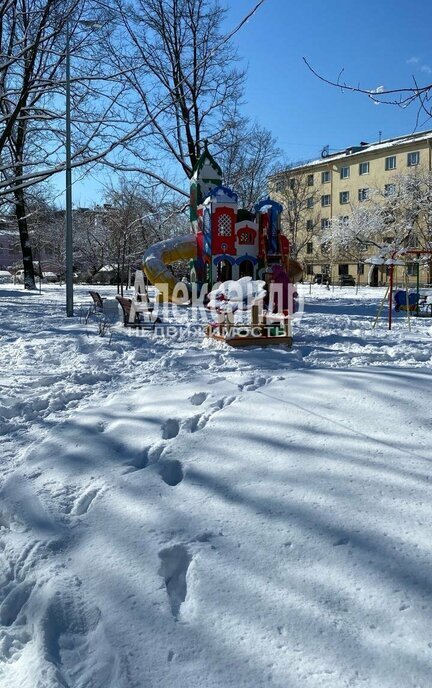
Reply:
x=248 y=155
x=46 y=228
x=301 y=217
x=350 y=236
x=135 y=217
x=33 y=37
x=91 y=241
x=408 y=209
x=170 y=88
x=404 y=96
x=387 y=221
x=186 y=62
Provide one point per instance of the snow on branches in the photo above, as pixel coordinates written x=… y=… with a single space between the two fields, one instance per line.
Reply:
x=389 y=219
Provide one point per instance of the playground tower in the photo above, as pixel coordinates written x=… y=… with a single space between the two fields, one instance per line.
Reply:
x=231 y=242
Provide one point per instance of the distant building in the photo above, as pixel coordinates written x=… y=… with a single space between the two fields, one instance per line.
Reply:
x=341 y=180
x=10 y=252
x=46 y=238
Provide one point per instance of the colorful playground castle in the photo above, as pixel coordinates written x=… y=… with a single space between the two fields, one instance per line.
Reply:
x=231 y=242
x=227 y=243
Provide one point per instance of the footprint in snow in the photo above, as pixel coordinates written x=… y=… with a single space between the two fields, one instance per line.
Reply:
x=252 y=385
x=85 y=501
x=148 y=456
x=192 y=424
x=14 y=602
x=200 y=421
x=174 y=565
x=198 y=398
x=171 y=472
x=170 y=429
x=223 y=403
x=70 y=634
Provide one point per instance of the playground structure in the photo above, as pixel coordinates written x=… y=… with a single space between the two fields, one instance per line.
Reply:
x=248 y=312
x=267 y=329
x=227 y=242
x=412 y=303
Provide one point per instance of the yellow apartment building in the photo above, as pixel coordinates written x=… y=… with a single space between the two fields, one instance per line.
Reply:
x=331 y=186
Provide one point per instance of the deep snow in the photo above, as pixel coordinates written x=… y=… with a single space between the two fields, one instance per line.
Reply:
x=177 y=513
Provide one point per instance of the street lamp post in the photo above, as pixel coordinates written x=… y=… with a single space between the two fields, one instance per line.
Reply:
x=69 y=248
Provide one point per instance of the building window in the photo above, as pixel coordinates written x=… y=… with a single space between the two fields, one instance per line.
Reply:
x=344 y=197
x=325 y=200
x=325 y=250
x=344 y=219
x=343 y=269
x=309 y=247
x=344 y=172
x=224 y=225
x=310 y=180
x=309 y=269
x=390 y=162
x=389 y=189
x=309 y=225
x=325 y=223
x=413 y=159
x=412 y=269
x=364 y=168
x=292 y=183
x=363 y=194
x=325 y=177
x=360 y=268
x=309 y=202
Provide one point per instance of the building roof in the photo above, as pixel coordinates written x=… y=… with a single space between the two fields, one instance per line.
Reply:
x=362 y=148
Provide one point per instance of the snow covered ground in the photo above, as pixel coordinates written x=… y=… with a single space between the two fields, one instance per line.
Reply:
x=177 y=513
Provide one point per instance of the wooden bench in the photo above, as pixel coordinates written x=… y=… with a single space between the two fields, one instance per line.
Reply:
x=97 y=301
x=133 y=318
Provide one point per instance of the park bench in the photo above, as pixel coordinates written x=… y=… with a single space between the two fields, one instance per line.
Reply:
x=97 y=301
x=134 y=318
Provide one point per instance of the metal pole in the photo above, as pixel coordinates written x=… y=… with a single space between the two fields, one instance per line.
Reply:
x=390 y=297
x=418 y=285
x=378 y=315
x=407 y=297
x=69 y=248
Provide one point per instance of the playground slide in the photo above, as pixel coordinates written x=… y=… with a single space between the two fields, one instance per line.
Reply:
x=158 y=256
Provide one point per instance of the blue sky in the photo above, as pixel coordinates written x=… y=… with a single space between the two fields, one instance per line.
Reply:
x=378 y=43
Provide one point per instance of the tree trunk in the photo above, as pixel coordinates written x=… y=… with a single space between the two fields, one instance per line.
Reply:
x=118 y=275
x=20 y=212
